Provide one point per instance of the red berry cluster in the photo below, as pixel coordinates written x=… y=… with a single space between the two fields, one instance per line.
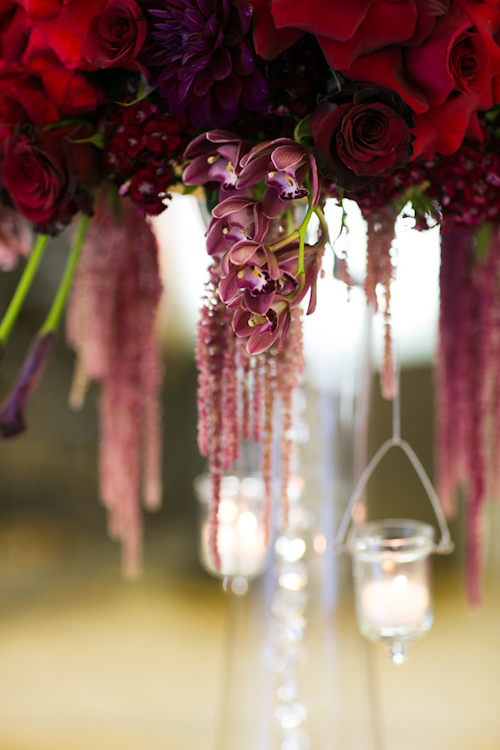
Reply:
x=143 y=144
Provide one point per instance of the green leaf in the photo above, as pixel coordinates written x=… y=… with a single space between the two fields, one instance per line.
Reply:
x=143 y=90
x=67 y=123
x=97 y=140
x=302 y=132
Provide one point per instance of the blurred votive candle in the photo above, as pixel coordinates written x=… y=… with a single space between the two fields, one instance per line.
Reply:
x=241 y=537
x=394 y=602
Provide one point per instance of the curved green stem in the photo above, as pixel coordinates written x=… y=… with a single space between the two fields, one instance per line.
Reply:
x=285 y=241
x=58 y=305
x=16 y=303
x=324 y=229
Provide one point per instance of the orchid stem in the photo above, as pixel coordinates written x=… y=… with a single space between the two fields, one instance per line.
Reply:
x=324 y=228
x=16 y=303
x=59 y=303
x=285 y=241
x=302 y=239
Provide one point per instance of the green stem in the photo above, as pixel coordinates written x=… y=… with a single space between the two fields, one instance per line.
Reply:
x=285 y=241
x=59 y=303
x=324 y=229
x=302 y=238
x=16 y=303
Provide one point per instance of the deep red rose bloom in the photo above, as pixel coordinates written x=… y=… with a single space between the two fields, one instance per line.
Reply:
x=364 y=137
x=14 y=31
x=35 y=179
x=268 y=40
x=345 y=29
x=115 y=37
x=446 y=79
x=23 y=100
x=47 y=179
x=69 y=90
x=63 y=25
x=454 y=57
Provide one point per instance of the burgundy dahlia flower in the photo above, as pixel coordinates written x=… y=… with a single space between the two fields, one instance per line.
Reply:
x=201 y=60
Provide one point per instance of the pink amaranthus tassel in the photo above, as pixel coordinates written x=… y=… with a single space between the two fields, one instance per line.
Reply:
x=379 y=270
x=111 y=324
x=467 y=381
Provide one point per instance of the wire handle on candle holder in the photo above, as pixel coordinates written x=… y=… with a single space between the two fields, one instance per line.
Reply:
x=445 y=545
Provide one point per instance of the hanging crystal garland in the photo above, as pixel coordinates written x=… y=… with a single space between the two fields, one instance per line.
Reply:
x=290 y=603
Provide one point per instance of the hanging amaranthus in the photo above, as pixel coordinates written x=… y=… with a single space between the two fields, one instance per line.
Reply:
x=111 y=324
x=468 y=384
x=380 y=270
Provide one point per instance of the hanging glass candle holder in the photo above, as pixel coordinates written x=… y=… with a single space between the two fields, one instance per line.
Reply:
x=241 y=537
x=391 y=558
x=392 y=582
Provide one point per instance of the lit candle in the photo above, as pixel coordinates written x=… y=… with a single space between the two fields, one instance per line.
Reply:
x=394 y=602
x=241 y=544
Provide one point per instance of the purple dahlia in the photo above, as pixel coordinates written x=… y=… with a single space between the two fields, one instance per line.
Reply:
x=202 y=61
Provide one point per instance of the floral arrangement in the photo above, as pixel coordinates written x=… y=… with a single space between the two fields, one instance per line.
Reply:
x=270 y=106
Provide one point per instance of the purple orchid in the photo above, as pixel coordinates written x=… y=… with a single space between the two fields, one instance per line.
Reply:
x=263 y=330
x=13 y=409
x=216 y=157
x=237 y=223
x=284 y=166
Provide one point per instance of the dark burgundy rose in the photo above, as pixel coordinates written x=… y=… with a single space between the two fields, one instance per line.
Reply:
x=116 y=36
x=35 y=180
x=47 y=178
x=361 y=136
x=23 y=101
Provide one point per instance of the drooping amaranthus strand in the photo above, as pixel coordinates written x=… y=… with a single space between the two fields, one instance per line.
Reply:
x=111 y=324
x=494 y=359
x=214 y=349
x=468 y=384
x=380 y=270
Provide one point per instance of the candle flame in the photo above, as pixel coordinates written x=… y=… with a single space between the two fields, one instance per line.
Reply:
x=399 y=584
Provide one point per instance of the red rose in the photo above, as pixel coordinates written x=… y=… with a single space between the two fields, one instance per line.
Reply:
x=69 y=90
x=364 y=135
x=346 y=30
x=63 y=25
x=443 y=128
x=14 y=31
x=23 y=100
x=47 y=179
x=116 y=36
x=268 y=40
x=446 y=79
x=455 y=57
x=35 y=180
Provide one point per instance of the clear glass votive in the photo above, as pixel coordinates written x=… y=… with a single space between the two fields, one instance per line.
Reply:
x=241 y=536
x=392 y=582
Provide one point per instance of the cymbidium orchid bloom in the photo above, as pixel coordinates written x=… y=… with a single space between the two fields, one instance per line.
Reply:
x=263 y=330
x=216 y=157
x=237 y=219
x=284 y=166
